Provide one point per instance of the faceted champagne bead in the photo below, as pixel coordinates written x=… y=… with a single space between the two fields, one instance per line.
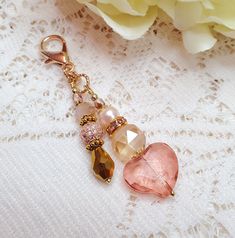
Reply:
x=84 y=108
x=106 y=115
x=102 y=164
x=127 y=141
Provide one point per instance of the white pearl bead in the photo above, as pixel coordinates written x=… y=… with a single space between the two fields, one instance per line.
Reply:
x=106 y=115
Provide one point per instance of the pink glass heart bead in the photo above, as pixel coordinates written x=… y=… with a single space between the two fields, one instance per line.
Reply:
x=154 y=171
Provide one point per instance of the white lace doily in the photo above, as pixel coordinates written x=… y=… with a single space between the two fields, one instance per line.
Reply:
x=47 y=188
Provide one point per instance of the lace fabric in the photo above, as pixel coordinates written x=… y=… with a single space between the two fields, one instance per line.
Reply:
x=46 y=185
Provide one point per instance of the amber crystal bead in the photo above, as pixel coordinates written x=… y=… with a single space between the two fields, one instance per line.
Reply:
x=102 y=164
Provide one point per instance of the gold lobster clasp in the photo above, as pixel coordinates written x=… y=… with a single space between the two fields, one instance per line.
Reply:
x=60 y=57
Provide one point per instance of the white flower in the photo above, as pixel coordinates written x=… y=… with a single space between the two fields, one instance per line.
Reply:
x=131 y=19
x=196 y=19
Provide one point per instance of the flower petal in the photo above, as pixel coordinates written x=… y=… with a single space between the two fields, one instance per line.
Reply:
x=167 y=6
x=134 y=7
x=130 y=27
x=225 y=31
x=223 y=13
x=198 y=38
x=187 y=14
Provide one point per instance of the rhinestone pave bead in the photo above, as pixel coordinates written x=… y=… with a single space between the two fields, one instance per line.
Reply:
x=91 y=131
x=154 y=171
x=115 y=124
x=102 y=164
x=128 y=141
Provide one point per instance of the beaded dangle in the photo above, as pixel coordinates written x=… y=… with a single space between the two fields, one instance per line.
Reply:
x=91 y=130
x=147 y=170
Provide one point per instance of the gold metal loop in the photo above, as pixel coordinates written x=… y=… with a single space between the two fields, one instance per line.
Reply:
x=60 y=57
x=86 y=85
x=69 y=67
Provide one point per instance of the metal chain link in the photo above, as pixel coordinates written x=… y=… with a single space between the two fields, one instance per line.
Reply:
x=74 y=79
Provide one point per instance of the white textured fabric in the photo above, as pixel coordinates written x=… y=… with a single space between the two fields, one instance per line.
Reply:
x=46 y=185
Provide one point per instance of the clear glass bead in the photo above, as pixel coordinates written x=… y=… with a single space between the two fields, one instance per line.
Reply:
x=84 y=108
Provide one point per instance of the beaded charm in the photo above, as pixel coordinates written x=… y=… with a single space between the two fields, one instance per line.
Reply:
x=86 y=112
x=151 y=170
x=147 y=170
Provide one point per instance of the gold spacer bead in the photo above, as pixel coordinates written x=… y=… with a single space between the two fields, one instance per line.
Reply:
x=88 y=147
x=87 y=118
x=94 y=144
